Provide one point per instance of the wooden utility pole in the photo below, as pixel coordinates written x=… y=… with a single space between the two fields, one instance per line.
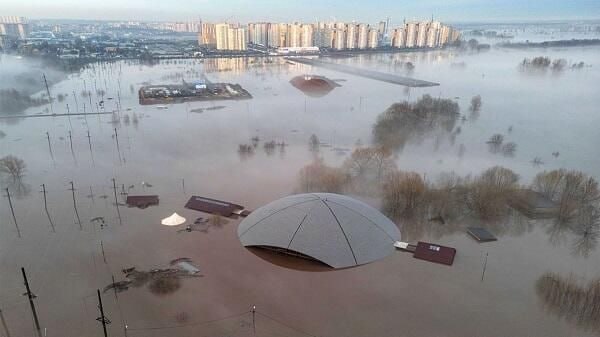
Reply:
x=46 y=208
x=72 y=189
x=102 y=318
x=12 y=211
x=31 y=296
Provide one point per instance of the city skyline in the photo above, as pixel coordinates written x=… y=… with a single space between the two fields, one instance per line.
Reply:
x=309 y=10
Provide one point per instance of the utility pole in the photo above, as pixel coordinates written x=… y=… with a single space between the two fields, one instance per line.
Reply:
x=31 y=297
x=46 y=207
x=12 y=211
x=102 y=318
x=72 y=189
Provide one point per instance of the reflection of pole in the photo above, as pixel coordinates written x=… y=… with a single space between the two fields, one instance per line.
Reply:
x=6 y=332
x=75 y=205
x=12 y=211
x=102 y=318
x=76 y=103
x=116 y=200
x=48 y=92
x=49 y=145
x=31 y=297
x=254 y=319
x=90 y=144
x=102 y=247
x=46 y=208
x=484 y=266
x=71 y=140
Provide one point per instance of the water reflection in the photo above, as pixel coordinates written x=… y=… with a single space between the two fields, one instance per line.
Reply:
x=571 y=301
x=289 y=261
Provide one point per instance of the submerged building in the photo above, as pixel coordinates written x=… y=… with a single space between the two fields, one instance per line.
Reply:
x=333 y=229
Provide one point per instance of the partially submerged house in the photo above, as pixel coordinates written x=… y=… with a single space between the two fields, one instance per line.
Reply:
x=533 y=205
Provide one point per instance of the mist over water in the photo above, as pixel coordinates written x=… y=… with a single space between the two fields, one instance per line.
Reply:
x=182 y=153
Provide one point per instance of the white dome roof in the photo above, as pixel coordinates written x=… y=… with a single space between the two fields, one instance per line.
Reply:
x=334 y=229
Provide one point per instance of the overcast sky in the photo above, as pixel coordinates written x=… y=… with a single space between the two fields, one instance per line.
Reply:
x=304 y=10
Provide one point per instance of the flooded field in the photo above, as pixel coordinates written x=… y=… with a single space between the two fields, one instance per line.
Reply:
x=175 y=151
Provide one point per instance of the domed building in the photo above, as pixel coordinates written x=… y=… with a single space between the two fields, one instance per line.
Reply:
x=336 y=230
x=314 y=85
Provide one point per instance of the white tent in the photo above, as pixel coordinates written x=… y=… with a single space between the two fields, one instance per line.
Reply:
x=173 y=220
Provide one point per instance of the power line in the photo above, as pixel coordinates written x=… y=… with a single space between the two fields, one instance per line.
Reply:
x=188 y=325
x=281 y=323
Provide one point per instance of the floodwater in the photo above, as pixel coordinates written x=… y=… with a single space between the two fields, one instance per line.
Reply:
x=182 y=153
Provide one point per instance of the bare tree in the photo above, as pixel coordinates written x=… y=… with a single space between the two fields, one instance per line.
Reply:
x=475 y=103
x=318 y=177
x=314 y=143
x=572 y=191
x=403 y=192
x=361 y=161
x=13 y=166
x=488 y=193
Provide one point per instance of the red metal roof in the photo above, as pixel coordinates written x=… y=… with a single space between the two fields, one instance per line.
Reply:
x=435 y=253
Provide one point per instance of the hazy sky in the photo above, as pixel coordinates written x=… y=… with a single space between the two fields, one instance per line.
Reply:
x=306 y=10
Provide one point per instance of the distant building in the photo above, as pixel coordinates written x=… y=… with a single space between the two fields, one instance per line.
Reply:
x=373 y=39
x=306 y=38
x=398 y=38
x=422 y=28
x=351 y=36
x=221 y=36
x=208 y=35
x=339 y=39
x=294 y=35
x=14 y=27
x=258 y=33
x=363 y=36
x=431 y=34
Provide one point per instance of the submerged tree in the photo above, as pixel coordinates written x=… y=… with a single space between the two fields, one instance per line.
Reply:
x=487 y=195
x=568 y=299
x=572 y=191
x=403 y=122
x=403 y=193
x=13 y=166
x=314 y=143
x=318 y=177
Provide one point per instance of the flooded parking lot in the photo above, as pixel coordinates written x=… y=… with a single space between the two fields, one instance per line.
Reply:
x=181 y=150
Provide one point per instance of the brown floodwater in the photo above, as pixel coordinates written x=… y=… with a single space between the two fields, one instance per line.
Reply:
x=176 y=153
